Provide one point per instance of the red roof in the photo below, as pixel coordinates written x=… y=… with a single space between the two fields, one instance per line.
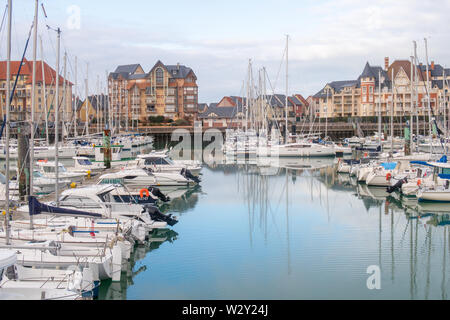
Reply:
x=27 y=70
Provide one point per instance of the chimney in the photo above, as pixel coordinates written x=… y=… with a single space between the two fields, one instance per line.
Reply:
x=178 y=66
x=432 y=65
x=386 y=63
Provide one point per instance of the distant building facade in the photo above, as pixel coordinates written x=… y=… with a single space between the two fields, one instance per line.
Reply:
x=166 y=90
x=388 y=89
x=45 y=99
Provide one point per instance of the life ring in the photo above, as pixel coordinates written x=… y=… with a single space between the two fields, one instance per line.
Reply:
x=142 y=191
x=388 y=176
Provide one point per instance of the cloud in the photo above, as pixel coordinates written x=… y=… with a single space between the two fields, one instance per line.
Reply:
x=329 y=40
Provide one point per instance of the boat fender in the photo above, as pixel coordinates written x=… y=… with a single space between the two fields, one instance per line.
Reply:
x=70 y=230
x=142 y=191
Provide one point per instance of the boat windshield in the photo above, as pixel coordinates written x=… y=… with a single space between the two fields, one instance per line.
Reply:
x=169 y=161
x=37 y=174
x=84 y=162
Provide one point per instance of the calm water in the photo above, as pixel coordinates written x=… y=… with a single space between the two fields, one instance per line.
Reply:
x=253 y=232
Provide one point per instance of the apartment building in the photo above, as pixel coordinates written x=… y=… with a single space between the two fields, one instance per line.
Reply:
x=166 y=90
x=45 y=94
x=390 y=90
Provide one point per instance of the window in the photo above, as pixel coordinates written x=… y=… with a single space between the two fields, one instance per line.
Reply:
x=159 y=76
x=170 y=108
x=364 y=90
x=370 y=89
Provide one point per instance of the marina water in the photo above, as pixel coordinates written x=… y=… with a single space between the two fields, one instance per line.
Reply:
x=296 y=231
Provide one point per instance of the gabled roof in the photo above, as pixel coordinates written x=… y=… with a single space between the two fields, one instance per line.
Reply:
x=27 y=70
x=127 y=69
x=374 y=72
x=179 y=71
x=221 y=112
x=102 y=102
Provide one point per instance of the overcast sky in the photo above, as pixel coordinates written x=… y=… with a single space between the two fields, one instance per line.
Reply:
x=329 y=40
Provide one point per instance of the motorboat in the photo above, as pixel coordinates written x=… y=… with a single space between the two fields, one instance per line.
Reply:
x=48 y=170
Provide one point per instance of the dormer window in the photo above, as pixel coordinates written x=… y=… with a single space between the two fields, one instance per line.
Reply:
x=159 y=76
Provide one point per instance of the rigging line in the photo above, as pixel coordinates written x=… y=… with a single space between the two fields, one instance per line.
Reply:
x=3 y=20
x=279 y=68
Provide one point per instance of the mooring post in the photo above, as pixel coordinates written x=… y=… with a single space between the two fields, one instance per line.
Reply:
x=107 y=148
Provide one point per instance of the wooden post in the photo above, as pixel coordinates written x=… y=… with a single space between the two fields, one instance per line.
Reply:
x=107 y=148
x=23 y=162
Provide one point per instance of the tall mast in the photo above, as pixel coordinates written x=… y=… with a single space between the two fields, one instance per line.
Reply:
x=87 y=99
x=8 y=94
x=33 y=102
x=416 y=103
x=58 y=31
x=108 y=99
x=97 y=111
x=428 y=95
x=64 y=100
x=379 y=107
x=392 y=113
x=287 y=89
x=44 y=92
x=75 y=133
x=411 y=111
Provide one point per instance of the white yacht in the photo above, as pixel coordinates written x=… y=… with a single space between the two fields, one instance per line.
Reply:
x=21 y=283
x=48 y=170
x=144 y=178
x=162 y=163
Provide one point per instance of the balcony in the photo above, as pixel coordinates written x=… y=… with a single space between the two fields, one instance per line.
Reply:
x=150 y=100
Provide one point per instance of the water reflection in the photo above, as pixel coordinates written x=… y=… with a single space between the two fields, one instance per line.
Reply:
x=110 y=290
x=409 y=233
x=295 y=229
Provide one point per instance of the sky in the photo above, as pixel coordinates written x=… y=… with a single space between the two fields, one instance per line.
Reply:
x=328 y=40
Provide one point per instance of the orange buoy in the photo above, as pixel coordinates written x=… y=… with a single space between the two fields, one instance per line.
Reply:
x=142 y=191
x=388 y=176
x=419 y=182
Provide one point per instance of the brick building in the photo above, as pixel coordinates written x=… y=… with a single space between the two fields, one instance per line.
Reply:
x=21 y=102
x=166 y=90
x=384 y=87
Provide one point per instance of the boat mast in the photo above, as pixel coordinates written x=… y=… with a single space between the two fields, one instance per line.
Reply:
x=87 y=99
x=287 y=78
x=58 y=31
x=75 y=133
x=97 y=111
x=428 y=96
x=411 y=117
x=392 y=114
x=64 y=101
x=379 y=107
x=44 y=94
x=33 y=103
x=8 y=103
x=416 y=85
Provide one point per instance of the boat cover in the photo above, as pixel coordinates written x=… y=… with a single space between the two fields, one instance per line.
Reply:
x=35 y=207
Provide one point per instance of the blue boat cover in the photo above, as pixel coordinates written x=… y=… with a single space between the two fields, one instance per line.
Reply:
x=389 y=165
x=35 y=207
